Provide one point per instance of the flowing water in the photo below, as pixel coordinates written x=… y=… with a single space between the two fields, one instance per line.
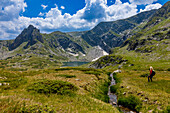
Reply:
x=113 y=98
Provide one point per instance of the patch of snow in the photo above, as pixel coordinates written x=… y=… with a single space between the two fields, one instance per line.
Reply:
x=69 y=49
x=95 y=59
x=104 y=43
x=74 y=54
x=105 y=53
x=99 y=47
x=83 y=55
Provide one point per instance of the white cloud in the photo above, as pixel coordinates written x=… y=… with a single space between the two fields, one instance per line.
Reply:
x=120 y=11
x=140 y=2
x=10 y=9
x=41 y=14
x=151 y=6
x=62 y=7
x=94 y=12
x=44 y=6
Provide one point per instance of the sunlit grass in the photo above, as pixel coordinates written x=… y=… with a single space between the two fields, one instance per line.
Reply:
x=89 y=97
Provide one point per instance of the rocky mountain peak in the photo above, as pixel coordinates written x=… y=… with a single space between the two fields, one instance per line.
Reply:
x=31 y=27
x=30 y=35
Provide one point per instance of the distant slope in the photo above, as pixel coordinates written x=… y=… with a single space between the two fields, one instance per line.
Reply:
x=112 y=34
x=154 y=32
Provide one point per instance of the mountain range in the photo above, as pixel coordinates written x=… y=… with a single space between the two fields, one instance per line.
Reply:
x=135 y=32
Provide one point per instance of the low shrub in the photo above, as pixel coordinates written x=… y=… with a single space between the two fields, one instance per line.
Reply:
x=110 y=78
x=167 y=110
x=13 y=82
x=79 y=69
x=101 y=92
x=66 y=76
x=116 y=78
x=113 y=88
x=168 y=69
x=52 y=86
x=108 y=73
x=36 y=108
x=92 y=72
x=130 y=102
x=144 y=75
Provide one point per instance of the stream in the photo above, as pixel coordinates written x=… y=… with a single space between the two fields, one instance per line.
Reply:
x=113 y=98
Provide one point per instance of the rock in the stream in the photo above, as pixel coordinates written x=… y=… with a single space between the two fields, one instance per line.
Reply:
x=114 y=103
x=117 y=71
x=132 y=112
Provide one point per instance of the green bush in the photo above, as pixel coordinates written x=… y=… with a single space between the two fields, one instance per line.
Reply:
x=110 y=78
x=116 y=78
x=92 y=72
x=113 y=89
x=36 y=108
x=52 y=86
x=101 y=93
x=130 y=102
x=79 y=69
x=168 y=69
x=66 y=76
x=167 y=110
x=13 y=82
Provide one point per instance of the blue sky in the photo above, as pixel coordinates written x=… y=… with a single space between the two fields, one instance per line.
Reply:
x=66 y=15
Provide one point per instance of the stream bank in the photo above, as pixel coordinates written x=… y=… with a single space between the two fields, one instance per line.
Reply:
x=113 y=98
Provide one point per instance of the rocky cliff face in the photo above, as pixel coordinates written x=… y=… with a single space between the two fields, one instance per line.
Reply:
x=87 y=45
x=30 y=35
x=112 y=34
x=155 y=30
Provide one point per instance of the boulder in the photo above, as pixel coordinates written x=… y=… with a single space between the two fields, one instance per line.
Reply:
x=114 y=103
x=117 y=71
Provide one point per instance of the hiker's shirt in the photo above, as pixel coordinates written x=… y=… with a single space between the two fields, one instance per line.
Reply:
x=150 y=72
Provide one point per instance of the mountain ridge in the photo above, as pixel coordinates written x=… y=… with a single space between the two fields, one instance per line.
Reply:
x=77 y=46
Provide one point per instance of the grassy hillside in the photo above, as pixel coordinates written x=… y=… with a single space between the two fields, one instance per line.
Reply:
x=133 y=81
x=55 y=90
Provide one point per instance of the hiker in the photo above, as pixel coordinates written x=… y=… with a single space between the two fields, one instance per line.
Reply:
x=152 y=73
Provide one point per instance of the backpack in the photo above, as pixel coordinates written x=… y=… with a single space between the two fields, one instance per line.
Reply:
x=153 y=73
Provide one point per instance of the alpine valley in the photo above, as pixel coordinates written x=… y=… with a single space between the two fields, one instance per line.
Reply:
x=32 y=79
x=72 y=46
